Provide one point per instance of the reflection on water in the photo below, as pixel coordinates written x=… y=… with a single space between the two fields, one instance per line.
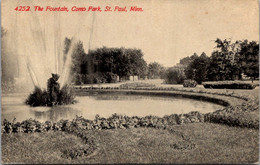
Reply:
x=104 y=105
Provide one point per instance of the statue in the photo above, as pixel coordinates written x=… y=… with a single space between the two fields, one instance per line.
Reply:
x=53 y=89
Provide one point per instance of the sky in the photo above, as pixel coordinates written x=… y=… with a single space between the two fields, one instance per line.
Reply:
x=166 y=30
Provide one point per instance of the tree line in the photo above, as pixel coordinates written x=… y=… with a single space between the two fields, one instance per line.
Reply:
x=105 y=64
x=228 y=61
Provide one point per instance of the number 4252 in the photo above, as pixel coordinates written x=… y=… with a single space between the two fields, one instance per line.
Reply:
x=22 y=8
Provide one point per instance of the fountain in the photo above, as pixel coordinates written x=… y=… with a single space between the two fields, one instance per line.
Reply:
x=44 y=61
x=42 y=58
x=54 y=95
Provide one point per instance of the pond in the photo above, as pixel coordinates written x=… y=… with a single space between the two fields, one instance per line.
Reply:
x=105 y=105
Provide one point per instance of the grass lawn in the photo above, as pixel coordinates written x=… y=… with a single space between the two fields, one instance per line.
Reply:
x=187 y=143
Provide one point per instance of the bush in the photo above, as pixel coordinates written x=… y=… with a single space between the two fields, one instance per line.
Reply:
x=88 y=79
x=110 y=77
x=190 y=83
x=100 y=79
x=240 y=119
x=66 y=96
x=242 y=115
x=174 y=76
x=39 y=97
x=228 y=85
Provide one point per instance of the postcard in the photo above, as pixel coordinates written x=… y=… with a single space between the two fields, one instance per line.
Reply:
x=130 y=81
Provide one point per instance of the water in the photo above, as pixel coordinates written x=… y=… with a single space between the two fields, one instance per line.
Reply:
x=105 y=105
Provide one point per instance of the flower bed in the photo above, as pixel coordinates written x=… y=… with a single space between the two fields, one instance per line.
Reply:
x=136 y=85
x=229 y=85
x=245 y=115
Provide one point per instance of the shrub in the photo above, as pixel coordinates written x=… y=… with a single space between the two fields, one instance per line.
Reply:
x=110 y=77
x=100 y=79
x=190 y=83
x=136 y=85
x=66 y=95
x=228 y=85
x=242 y=115
x=39 y=97
x=174 y=76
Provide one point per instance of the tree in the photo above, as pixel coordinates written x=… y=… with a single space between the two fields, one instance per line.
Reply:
x=197 y=68
x=155 y=70
x=138 y=65
x=121 y=61
x=187 y=60
x=175 y=75
x=249 y=58
x=223 y=61
x=79 y=59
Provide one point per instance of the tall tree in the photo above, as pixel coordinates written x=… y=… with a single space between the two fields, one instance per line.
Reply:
x=155 y=70
x=79 y=59
x=223 y=61
x=249 y=58
x=121 y=61
x=187 y=60
x=197 y=68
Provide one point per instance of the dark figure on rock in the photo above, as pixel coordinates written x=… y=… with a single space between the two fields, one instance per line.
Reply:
x=53 y=89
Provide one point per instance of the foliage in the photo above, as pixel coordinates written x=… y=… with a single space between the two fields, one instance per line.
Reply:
x=121 y=61
x=249 y=58
x=114 y=122
x=229 y=85
x=79 y=59
x=136 y=85
x=66 y=95
x=110 y=77
x=241 y=115
x=187 y=60
x=228 y=61
x=39 y=97
x=175 y=75
x=197 y=68
x=91 y=67
x=156 y=70
x=189 y=83
x=107 y=77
